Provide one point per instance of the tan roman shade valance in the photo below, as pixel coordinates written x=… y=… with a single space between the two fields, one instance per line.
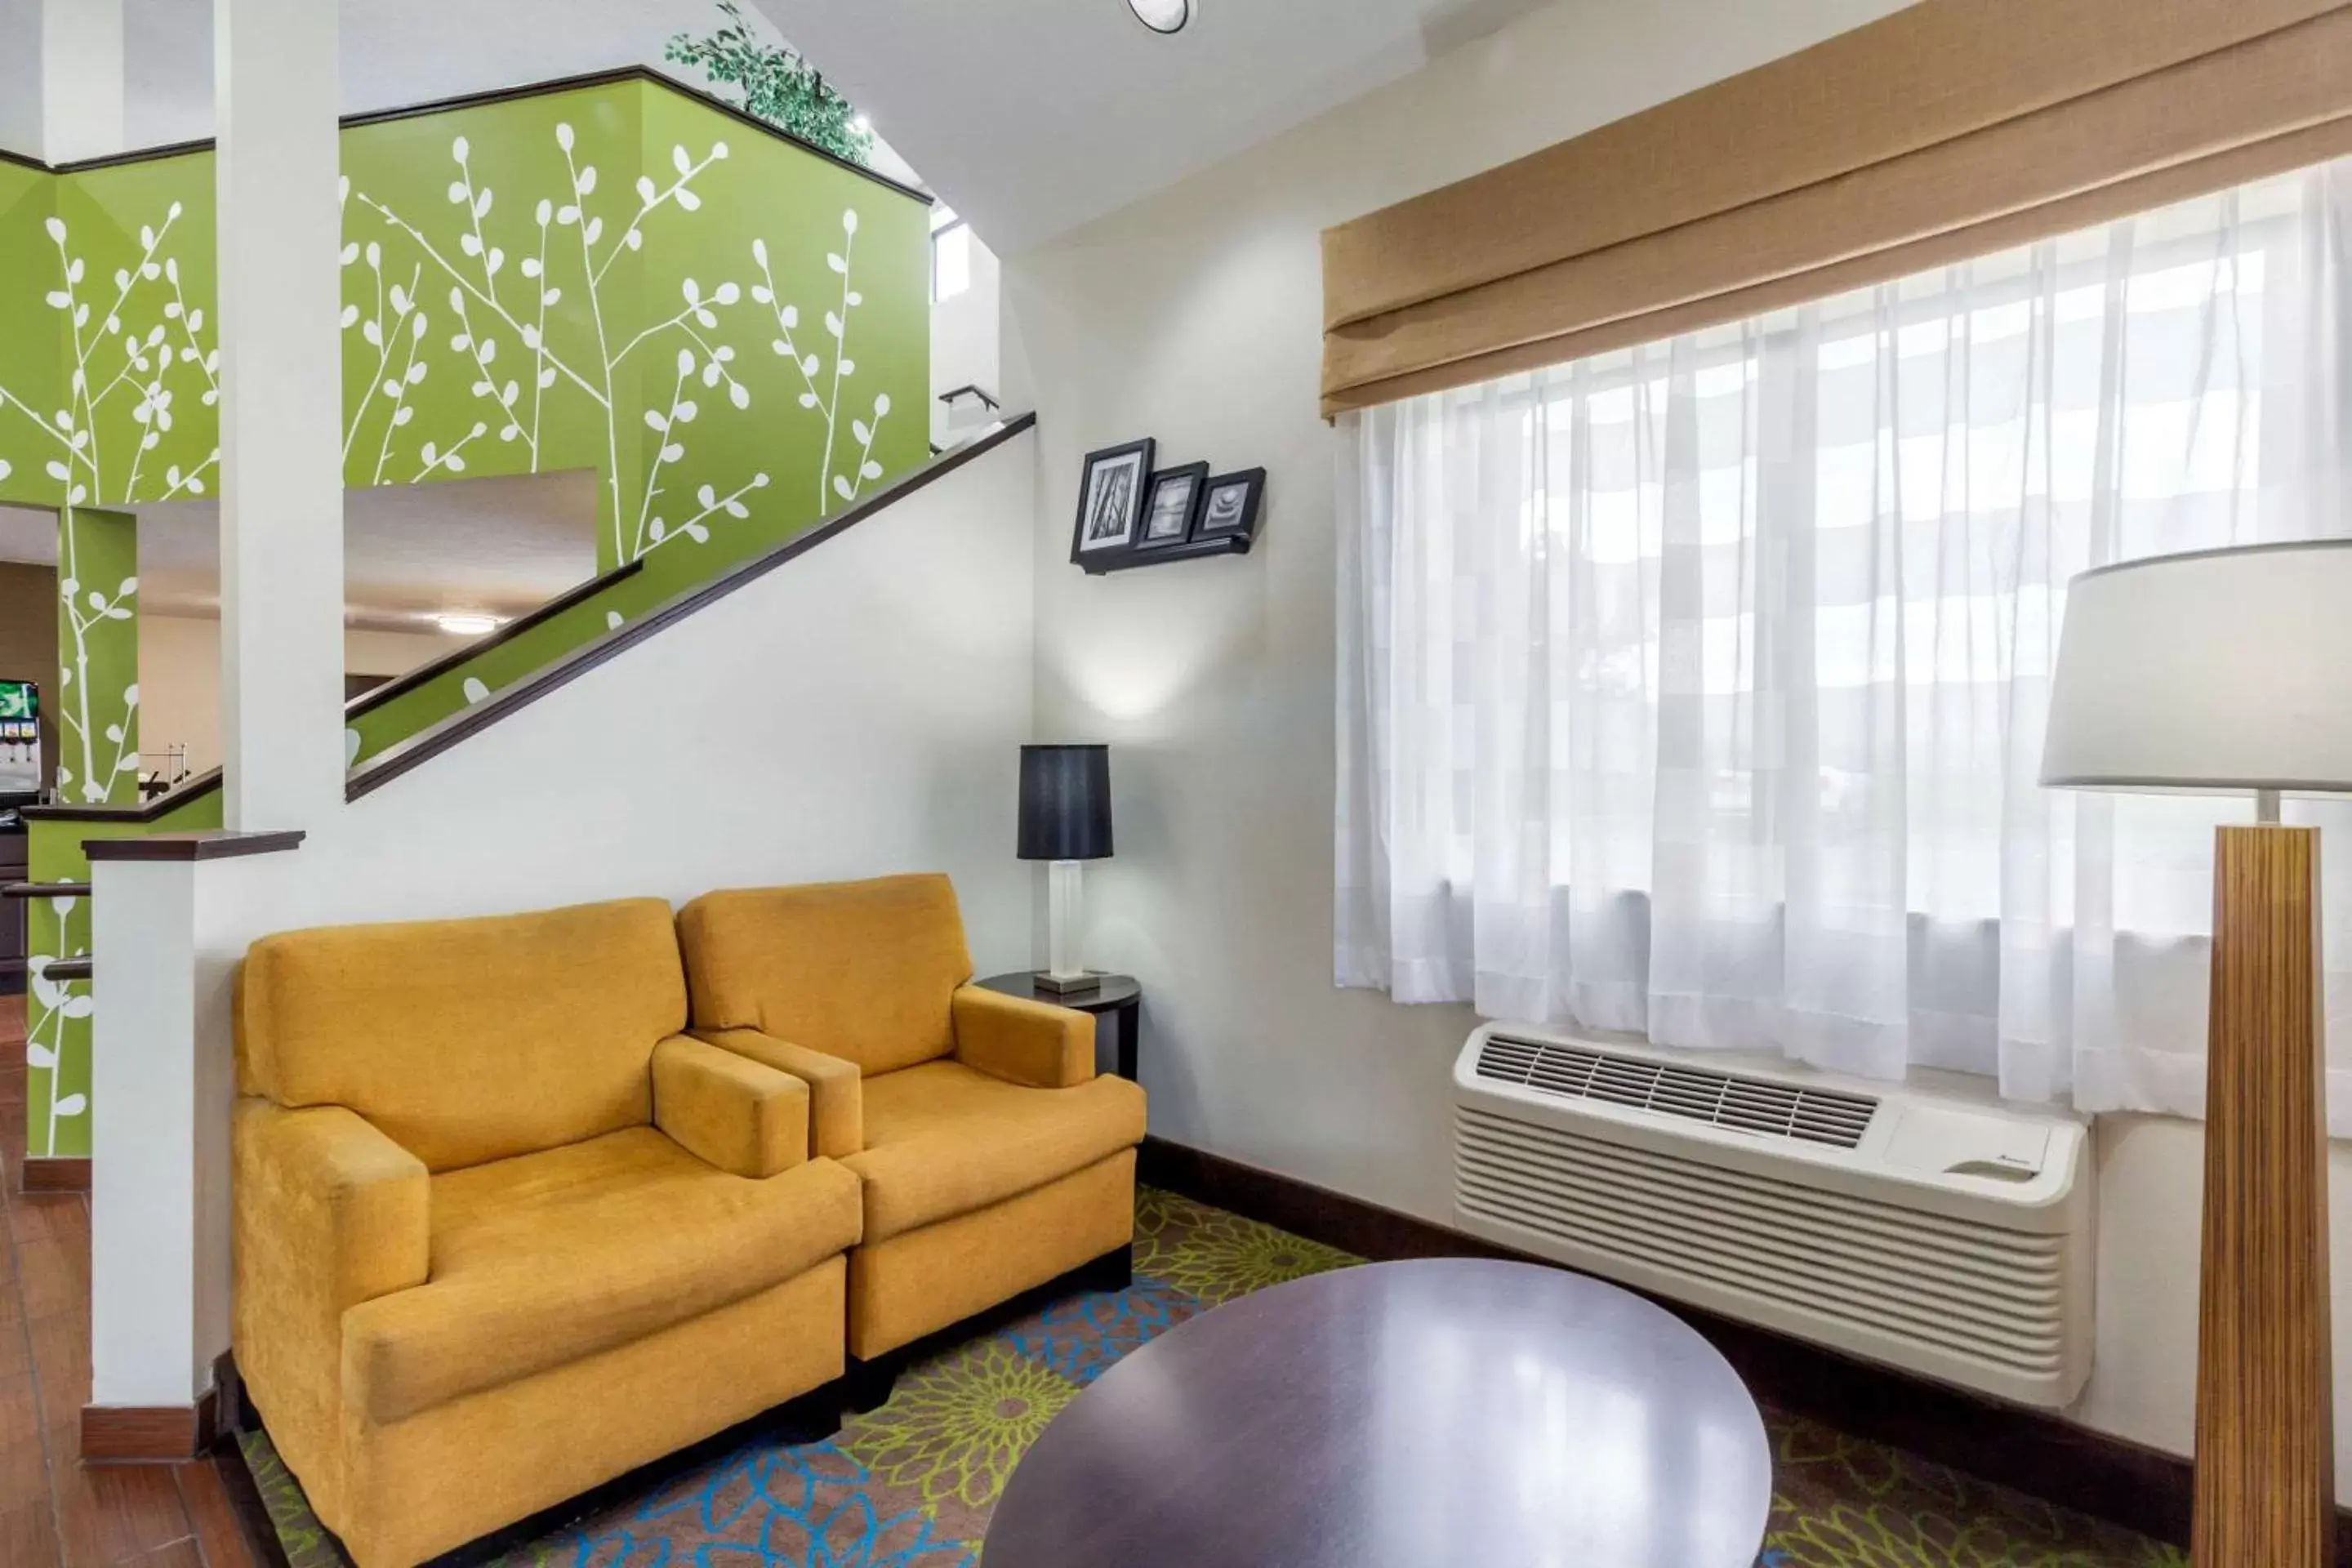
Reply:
x=1947 y=130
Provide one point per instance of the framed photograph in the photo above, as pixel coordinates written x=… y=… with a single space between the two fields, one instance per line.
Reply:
x=1230 y=510
x=1110 y=501
x=1175 y=503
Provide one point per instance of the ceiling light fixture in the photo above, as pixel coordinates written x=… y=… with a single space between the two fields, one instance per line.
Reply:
x=467 y=623
x=1162 y=16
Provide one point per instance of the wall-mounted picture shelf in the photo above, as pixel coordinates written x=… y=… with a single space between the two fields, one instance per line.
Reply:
x=1132 y=514
x=1233 y=546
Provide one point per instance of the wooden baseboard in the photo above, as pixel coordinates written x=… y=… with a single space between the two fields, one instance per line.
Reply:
x=2031 y=1451
x=149 y=1434
x=54 y=1175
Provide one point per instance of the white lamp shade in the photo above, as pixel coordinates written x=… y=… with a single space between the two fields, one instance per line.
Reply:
x=2220 y=671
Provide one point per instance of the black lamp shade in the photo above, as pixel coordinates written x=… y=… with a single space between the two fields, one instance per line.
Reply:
x=1065 y=803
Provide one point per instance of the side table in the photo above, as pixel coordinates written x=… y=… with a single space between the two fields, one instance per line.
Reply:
x=1119 y=995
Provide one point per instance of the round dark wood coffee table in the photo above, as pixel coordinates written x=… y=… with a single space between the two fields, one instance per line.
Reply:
x=1443 y=1411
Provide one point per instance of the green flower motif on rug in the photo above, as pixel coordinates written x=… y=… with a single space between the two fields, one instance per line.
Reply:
x=303 y=1538
x=1842 y=1502
x=954 y=1428
x=1218 y=1256
x=1845 y=1536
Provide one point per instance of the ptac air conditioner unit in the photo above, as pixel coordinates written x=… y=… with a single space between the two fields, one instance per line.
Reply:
x=1925 y=1232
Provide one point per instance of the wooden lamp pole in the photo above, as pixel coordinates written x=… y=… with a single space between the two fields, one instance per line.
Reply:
x=2265 y=1430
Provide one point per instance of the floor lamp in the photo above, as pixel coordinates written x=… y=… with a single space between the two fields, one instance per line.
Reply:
x=2229 y=671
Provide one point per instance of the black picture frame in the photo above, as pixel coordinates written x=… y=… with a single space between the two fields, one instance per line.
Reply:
x=1194 y=476
x=1244 y=527
x=1131 y=460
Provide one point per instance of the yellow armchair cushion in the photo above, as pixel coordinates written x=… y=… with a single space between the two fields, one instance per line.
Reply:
x=470 y=1040
x=837 y=1118
x=729 y=1110
x=943 y=1140
x=329 y=1213
x=862 y=971
x=1022 y=1041
x=545 y=1258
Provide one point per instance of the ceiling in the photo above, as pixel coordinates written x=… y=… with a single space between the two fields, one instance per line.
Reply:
x=1031 y=117
x=981 y=96
x=499 y=546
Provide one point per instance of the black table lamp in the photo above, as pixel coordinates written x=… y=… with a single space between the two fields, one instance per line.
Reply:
x=1064 y=818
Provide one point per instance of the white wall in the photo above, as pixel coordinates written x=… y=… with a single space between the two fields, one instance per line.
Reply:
x=1193 y=317
x=854 y=714
x=964 y=344
x=20 y=77
x=179 y=678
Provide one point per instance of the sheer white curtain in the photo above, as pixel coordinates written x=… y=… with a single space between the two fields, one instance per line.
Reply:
x=1698 y=690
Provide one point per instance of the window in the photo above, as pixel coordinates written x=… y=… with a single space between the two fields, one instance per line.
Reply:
x=950 y=255
x=1698 y=689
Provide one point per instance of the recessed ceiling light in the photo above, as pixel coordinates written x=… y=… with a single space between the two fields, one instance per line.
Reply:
x=1161 y=15
x=465 y=624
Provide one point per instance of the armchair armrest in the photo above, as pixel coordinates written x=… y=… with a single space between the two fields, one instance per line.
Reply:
x=836 y=1101
x=729 y=1110
x=329 y=1213
x=1021 y=1041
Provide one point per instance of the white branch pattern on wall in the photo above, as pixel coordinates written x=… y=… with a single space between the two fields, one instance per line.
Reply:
x=490 y=311
x=487 y=314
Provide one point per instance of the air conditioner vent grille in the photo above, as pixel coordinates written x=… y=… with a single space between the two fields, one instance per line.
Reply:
x=1988 y=1297
x=1762 y=1106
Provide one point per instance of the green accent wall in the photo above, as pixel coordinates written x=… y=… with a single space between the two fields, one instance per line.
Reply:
x=729 y=332
x=96 y=691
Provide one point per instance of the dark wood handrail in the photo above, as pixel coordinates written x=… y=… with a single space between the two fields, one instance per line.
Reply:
x=67 y=969
x=171 y=800
x=367 y=701
x=432 y=740
x=44 y=891
x=376 y=697
x=504 y=95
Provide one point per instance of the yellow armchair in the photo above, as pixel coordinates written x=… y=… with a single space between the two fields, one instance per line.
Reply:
x=729 y=1112
x=503 y=1232
x=1021 y=1041
x=991 y=1157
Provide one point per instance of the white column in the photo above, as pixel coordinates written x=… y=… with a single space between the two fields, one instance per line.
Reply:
x=145 y=1129
x=281 y=413
x=81 y=79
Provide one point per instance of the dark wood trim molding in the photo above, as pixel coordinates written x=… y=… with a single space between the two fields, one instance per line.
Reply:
x=506 y=95
x=70 y=969
x=376 y=697
x=44 y=891
x=149 y=1434
x=212 y=844
x=2031 y=1451
x=432 y=741
x=171 y=800
x=634 y=73
x=23 y=160
x=41 y=1174
x=1216 y=545
x=133 y=155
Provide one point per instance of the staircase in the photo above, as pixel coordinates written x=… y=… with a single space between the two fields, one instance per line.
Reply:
x=609 y=272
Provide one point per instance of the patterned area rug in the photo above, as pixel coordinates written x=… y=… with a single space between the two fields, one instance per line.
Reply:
x=910 y=1485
